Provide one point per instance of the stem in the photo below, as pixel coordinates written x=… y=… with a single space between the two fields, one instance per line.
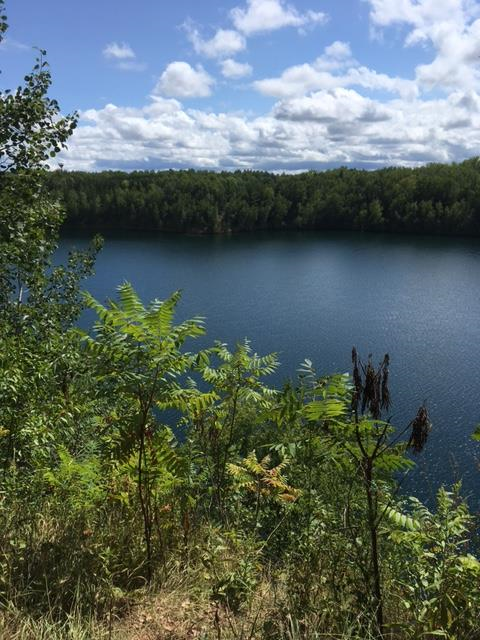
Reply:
x=223 y=463
x=143 y=502
x=257 y=503
x=372 y=525
x=143 y=488
x=367 y=467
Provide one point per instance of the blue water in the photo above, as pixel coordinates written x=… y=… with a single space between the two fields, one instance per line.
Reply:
x=312 y=295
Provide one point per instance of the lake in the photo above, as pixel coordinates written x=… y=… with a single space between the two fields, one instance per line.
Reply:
x=315 y=295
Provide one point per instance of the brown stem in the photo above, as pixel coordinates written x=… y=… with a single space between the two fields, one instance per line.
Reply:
x=372 y=525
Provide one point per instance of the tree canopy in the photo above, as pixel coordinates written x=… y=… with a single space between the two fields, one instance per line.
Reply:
x=436 y=199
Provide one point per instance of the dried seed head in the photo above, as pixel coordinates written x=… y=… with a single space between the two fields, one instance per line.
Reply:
x=421 y=427
x=357 y=381
x=371 y=390
x=385 y=390
x=371 y=385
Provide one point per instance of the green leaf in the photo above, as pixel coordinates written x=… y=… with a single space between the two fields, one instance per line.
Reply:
x=325 y=409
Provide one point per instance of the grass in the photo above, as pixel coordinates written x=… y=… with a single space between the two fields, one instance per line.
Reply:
x=181 y=610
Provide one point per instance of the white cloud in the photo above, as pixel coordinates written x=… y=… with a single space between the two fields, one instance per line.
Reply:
x=328 y=111
x=233 y=69
x=334 y=68
x=131 y=65
x=374 y=81
x=297 y=80
x=116 y=51
x=225 y=42
x=337 y=105
x=123 y=57
x=451 y=27
x=421 y=13
x=180 y=80
x=338 y=126
x=336 y=56
x=269 y=15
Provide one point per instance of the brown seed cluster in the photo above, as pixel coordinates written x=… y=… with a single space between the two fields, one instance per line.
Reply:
x=371 y=390
x=420 y=428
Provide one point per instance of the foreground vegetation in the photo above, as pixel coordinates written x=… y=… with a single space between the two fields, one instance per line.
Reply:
x=151 y=490
x=436 y=199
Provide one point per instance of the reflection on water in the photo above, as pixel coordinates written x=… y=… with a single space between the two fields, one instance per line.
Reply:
x=315 y=295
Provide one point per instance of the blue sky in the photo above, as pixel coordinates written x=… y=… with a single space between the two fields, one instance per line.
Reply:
x=263 y=84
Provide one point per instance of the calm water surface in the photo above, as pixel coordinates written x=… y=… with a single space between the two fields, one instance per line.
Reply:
x=315 y=295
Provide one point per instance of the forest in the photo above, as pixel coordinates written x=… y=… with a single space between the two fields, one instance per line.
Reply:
x=153 y=490
x=434 y=199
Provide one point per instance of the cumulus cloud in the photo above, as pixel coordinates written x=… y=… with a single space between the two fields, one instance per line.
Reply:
x=225 y=42
x=116 y=51
x=335 y=56
x=420 y=13
x=329 y=127
x=451 y=27
x=269 y=15
x=123 y=57
x=334 y=68
x=180 y=80
x=328 y=112
x=336 y=105
x=233 y=69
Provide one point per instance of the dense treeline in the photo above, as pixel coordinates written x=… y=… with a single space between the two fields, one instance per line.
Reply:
x=437 y=199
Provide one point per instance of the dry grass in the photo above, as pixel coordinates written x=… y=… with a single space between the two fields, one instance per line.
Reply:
x=177 y=615
x=180 y=610
x=170 y=615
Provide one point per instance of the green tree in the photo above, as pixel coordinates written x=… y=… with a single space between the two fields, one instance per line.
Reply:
x=32 y=132
x=38 y=301
x=139 y=353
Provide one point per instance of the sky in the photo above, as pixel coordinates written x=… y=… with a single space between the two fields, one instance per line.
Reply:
x=278 y=85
